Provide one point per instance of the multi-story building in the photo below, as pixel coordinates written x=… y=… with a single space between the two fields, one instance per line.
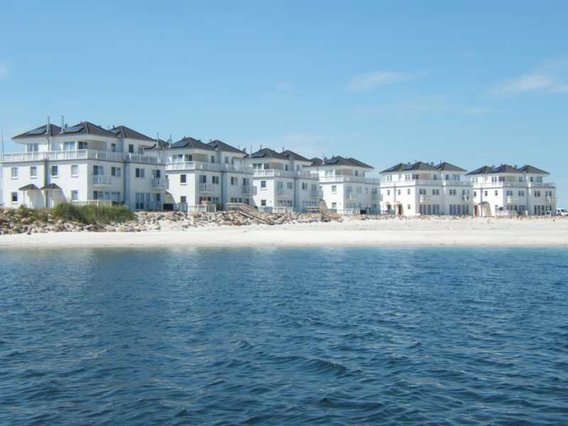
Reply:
x=344 y=185
x=420 y=188
x=282 y=182
x=506 y=190
x=84 y=163
x=207 y=176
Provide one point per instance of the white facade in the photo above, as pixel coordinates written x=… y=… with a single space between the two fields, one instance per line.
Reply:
x=207 y=176
x=424 y=189
x=507 y=190
x=84 y=164
x=345 y=187
x=282 y=182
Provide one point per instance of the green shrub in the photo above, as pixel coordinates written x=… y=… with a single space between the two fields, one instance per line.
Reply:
x=90 y=215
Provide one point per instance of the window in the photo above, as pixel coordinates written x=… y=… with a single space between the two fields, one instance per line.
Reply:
x=263 y=184
x=334 y=189
x=509 y=193
x=14 y=197
x=485 y=193
x=83 y=145
x=521 y=193
x=290 y=185
x=398 y=192
x=113 y=147
x=408 y=206
x=408 y=191
x=536 y=193
x=234 y=180
x=388 y=192
x=33 y=172
x=452 y=192
x=14 y=172
x=475 y=193
x=202 y=178
x=182 y=179
x=74 y=170
x=304 y=186
x=98 y=170
x=226 y=160
x=74 y=195
x=215 y=180
x=183 y=199
x=334 y=205
x=131 y=149
x=115 y=171
x=54 y=171
x=156 y=174
x=32 y=147
x=212 y=158
x=421 y=191
x=263 y=203
x=496 y=193
x=68 y=146
x=435 y=192
x=139 y=173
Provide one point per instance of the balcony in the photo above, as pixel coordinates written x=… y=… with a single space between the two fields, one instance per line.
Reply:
x=515 y=200
x=81 y=154
x=248 y=190
x=283 y=192
x=425 y=199
x=206 y=187
x=317 y=194
x=340 y=179
x=284 y=174
x=159 y=183
x=102 y=180
x=193 y=165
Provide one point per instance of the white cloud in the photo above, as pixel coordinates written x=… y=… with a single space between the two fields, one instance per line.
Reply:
x=538 y=82
x=3 y=71
x=374 y=80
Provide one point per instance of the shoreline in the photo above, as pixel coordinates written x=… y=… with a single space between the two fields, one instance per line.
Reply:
x=434 y=232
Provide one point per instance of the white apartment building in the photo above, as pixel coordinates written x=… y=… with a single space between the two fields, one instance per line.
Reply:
x=344 y=185
x=282 y=182
x=506 y=190
x=84 y=163
x=420 y=188
x=207 y=176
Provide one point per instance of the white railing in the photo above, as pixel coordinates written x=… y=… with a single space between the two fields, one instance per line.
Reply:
x=201 y=208
x=339 y=179
x=283 y=192
x=193 y=165
x=102 y=180
x=81 y=154
x=285 y=173
x=282 y=210
x=97 y=203
x=159 y=183
x=206 y=187
x=514 y=200
x=424 y=199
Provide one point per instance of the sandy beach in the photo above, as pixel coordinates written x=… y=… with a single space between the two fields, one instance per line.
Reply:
x=534 y=232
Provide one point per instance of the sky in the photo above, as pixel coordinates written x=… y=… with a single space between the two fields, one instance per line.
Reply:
x=470 y=82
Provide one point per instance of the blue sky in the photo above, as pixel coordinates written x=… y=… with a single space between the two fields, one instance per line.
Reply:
x=470 y=82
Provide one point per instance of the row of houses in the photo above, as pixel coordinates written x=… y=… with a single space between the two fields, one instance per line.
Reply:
x=87 y=164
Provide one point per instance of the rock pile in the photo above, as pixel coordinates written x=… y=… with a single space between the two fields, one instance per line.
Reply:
x=25 y=221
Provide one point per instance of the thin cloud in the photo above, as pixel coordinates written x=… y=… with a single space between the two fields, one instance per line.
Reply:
x=537 y=83
x=374 y=80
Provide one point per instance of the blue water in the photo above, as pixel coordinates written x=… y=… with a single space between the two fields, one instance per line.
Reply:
x=284 y=336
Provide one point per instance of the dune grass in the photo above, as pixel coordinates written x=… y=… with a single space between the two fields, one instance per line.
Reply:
x=90 y=215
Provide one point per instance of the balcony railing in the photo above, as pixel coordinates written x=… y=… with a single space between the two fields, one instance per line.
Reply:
x=339 y=179
x=81 y=154
x=211 y=167
x=249 y=190
x=159 y=183
x=283 y=192
x=102 y=180
x=285 y=173
x=206 y=187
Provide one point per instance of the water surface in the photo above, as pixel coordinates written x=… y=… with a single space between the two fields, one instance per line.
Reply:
x=287 y=336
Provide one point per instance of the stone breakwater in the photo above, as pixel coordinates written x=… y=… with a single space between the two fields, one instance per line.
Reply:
x=23 y=222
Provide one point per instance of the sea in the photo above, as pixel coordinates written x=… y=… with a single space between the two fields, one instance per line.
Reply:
x=426 y=336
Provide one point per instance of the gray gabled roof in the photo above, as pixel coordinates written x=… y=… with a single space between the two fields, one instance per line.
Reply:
x=51 y=187
x=86 y=128
x=338 y=160
x=28 y=187
x=124 y=132
x=40 y=131
x=222 y=146
x=408 y=167
x=268 y=153
x=191 y=143
x=447 y=167
x=291 y=155
x=396 y=168
x=533 y=170
x=503 y=168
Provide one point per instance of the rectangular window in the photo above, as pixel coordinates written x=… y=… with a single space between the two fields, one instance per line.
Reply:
x=304 y=186
x=182 y=179
x=334 y=189
x=212 y=158
x=290 y=185
x=54 y=171
x=215 y=180
x=32 y=147
x=408 y=191
x=263 y=184
x=115 y=171
x=263 y=203
x=83 y=145
x=421 y=191
x=14 y=172
x=14 y=197
x=496 y=193
x=202 y=178
x=183 y=199
x=68 y=146
x=74 y=170
x=33 y=172
x=131 y=149
x=98 y=170
x=74 y=195
x=113 y=147
x=139 y=173
x=156 y=174
x=233 y=180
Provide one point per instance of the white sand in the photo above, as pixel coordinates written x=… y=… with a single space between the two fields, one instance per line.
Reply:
x=541 y=232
